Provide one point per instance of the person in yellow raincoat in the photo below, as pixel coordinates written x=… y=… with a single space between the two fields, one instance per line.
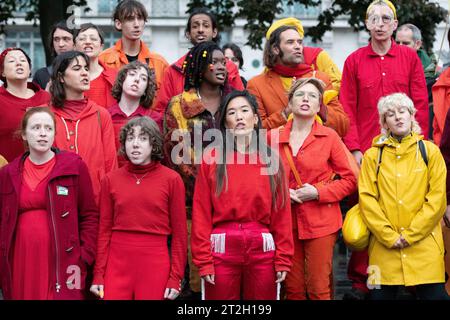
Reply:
x=402 y=197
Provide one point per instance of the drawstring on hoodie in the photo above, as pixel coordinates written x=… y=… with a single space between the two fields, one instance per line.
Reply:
x=68 y=133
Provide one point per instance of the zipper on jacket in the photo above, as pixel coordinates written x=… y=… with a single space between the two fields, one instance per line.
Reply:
x=57 y=285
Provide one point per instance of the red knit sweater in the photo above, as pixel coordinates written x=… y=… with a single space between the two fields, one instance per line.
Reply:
x=155 y=206
x=248 y=198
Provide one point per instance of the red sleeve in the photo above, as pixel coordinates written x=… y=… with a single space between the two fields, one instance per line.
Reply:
x=281 y=230
x=419 y=94
x=349 y=99
x=88 y=215
x=336 y=190
x=234 y=79
x=178 y=225
x=202 y=212
x=104 y=232
x=109 y=142
x=445 y=150
x=166 y=92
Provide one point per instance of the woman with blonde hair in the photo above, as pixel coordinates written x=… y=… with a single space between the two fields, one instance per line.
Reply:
x=402 y=200
x=312 y=155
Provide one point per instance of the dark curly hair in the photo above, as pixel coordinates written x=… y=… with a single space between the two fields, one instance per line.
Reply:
x=148 y=126
x=197 y=62
x=149 y=93
x=205 y=11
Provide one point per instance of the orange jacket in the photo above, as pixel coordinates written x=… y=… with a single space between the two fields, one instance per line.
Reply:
x=441 y=104
x=321 y=155
x=115 y=58
x=272 y=99
x=91 y=135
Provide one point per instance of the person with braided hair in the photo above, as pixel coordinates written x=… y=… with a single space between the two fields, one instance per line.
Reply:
x=197 y=107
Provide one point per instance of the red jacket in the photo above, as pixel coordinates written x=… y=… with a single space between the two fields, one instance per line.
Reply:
x=75 y=217
x=173 y=83
x=321 y=155
x=100 y=91
x=367 y=77
x=441 y=104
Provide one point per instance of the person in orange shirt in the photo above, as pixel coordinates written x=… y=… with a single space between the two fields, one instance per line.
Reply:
x=312 y=154
x=90 y=39
x=129 y=18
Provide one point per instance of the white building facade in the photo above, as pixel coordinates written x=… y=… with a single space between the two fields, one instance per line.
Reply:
x=164 y=32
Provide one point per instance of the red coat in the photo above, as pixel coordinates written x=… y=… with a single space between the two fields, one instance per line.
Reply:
x=75 y=216
x=173 y=83
x=321 y=155
x=441 y=104
x=100 y=90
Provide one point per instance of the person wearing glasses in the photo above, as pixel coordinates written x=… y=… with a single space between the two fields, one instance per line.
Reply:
x=378 y=69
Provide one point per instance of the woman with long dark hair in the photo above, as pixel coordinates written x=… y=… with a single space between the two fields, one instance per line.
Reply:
x=241 y=221
x=83 y=127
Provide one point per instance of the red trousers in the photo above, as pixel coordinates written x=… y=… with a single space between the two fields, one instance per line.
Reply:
x=312 y=269
x=138 y=267
x=243 y=263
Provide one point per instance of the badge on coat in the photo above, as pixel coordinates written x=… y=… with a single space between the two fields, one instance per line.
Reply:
x=62 y=191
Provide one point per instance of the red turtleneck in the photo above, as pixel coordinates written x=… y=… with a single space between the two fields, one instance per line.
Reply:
x=155 y=206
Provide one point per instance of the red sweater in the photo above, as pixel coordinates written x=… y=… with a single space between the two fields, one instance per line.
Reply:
x=247 y=199
x=155 y=206
x=100 y=90
x=12 y=109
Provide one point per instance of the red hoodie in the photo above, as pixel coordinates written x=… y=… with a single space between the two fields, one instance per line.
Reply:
x=12 y=109
x=90 y=134
x=173 y=83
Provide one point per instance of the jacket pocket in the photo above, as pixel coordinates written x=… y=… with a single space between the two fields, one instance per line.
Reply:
x=438 y=241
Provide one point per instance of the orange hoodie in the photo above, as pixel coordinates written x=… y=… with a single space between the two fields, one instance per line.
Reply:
x=90 y=134
x=441 y=104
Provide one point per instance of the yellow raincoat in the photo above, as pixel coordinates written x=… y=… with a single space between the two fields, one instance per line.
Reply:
x=410 y=200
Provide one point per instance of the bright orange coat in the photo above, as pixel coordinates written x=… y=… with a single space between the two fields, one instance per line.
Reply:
x=115 y=58
x=441 y=104
x=321 y=155
x=272 y=99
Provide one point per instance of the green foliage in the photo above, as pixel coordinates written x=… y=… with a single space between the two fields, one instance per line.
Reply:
x=260 y=14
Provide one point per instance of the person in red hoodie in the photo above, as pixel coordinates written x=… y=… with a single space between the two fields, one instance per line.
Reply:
x=241 y=221
x=201 y=27
x=16 y=95
x=82 y=126
x=134 y=91
x=141 y=205
x=90 y=39
x=48 y=220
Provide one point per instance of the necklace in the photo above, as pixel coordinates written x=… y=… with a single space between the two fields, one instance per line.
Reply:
x=138 y=180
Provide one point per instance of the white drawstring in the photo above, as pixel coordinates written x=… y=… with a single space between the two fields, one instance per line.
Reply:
x=76 y=136
x=67 y=129
x=203 y=288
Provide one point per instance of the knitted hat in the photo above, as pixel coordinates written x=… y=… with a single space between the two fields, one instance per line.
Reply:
x=286 y=22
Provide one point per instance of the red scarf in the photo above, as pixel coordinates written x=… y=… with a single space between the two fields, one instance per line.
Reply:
x=298 y=72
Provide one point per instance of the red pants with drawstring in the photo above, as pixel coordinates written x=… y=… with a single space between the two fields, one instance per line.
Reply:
x=138 y=267
x=312 y=269
x=243 y=263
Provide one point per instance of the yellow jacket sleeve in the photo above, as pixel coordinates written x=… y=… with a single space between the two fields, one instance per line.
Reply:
x=371 y=211
x=435 y=201
x=327 y=65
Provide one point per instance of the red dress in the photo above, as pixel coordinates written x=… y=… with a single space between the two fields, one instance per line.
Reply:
x=31 y=254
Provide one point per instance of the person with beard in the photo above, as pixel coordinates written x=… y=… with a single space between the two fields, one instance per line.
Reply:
x=371 y=72
x=16 y=95
x=283 y=57
x=90 y=39
x=82 y=126
x=198 y=106
x=129 y=18
x=201 y=27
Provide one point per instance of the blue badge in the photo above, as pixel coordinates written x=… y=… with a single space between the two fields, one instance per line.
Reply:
x=62 y=191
